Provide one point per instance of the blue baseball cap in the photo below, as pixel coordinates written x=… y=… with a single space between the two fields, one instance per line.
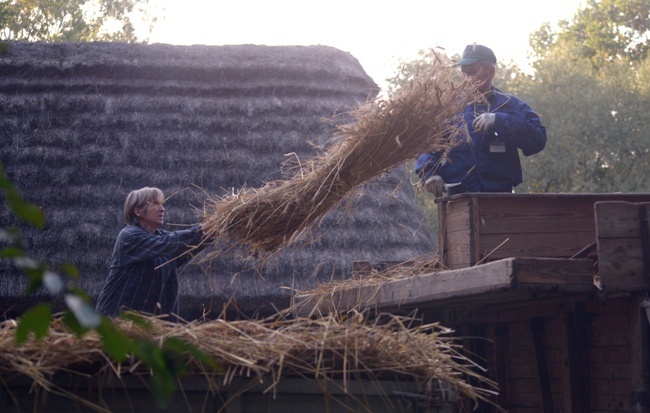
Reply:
x=475 y=52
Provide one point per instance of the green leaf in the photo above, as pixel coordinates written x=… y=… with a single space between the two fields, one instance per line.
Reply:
x=4 y=48
x=182 y=347
x=163 y=385
x=25 y=211
x=5 y=184
x=138 y=320
x=150 y=354
x=34 y=270
x=117 y=344
x=7 y=236
x=163 y=367
x=11 y=252
x=83 y=311
x=53 y=282
x=73 y=324
x=80 y=292
x=70 y=270
x=36 y=320
x=26 y=263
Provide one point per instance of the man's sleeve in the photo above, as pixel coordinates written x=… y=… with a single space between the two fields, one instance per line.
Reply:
x=426 y=165
x=522 y=127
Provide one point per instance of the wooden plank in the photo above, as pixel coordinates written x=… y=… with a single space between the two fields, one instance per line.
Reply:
x=618 y=219
x=560 y=245
x=458 y=217
x=501 y=367
x=455 y=235
x=620 y=263
x=537 y=332
x=621 y=249
x=537 y=225
x=447 y=284
x=567 y=199
x=522 y=216
x=509 y=313
x=475 y=232
x=554 y=271
x=495 y=276
x=610 y=403
x=458 y=250
x=493 y=279
x=610 y=370
x=640 y=349
x=442 y=230
x=577 y=367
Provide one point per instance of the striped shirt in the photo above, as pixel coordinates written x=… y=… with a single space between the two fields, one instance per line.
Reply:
x=144 y=272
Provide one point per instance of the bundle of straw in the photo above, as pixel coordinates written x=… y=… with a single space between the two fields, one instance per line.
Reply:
x=420 y=118
x=324 y=349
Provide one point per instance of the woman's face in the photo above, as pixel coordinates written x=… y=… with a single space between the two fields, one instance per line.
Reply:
x=152 y=216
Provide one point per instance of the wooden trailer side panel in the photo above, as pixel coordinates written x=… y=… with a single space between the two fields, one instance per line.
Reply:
x=475 y=228
x=456 y=234
x=573 y=357
x=610 y=356
x=622 y=231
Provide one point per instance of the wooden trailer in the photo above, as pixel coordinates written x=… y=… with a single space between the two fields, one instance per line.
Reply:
x=547 y=291
x=104 y=393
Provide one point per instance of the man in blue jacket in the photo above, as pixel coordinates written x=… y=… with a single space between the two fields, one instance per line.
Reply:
x=499 y=127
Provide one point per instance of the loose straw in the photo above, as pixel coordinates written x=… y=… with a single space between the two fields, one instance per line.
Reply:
x=325 y=349
x=422 y=117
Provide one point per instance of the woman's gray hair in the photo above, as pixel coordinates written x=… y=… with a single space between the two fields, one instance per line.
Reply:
x=138 y=198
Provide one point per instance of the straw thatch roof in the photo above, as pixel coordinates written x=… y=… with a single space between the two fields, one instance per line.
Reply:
x=83 y=124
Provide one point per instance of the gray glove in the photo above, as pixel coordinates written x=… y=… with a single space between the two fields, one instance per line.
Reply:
x=435 y=185
x=484 y=122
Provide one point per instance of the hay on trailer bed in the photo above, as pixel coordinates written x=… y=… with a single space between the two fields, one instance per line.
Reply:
x=372 y=280
x=420 y=118
x=324 y=349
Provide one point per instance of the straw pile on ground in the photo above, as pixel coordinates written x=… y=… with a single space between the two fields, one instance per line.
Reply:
x=383 y=134
x=325 y=349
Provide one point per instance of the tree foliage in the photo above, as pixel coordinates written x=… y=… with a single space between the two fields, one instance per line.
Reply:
x=75 y=20
x=591 y=87
x=596 y=123
x=602 y=32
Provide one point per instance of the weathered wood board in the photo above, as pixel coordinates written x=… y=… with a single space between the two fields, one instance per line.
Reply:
x=623 y=246
x=481 y=282
x=477 y=227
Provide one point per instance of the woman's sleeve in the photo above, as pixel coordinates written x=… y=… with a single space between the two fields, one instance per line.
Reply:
x=137 y=244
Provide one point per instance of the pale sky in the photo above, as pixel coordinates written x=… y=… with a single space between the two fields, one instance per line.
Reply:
x=378 y=33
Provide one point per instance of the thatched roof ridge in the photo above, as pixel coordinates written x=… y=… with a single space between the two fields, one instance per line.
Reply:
x=187 y=70
x=83 y=124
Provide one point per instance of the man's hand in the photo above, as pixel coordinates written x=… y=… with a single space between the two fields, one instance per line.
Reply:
x=435 y=185
x=484 y=122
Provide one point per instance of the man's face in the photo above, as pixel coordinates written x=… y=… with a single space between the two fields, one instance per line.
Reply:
x=481 y=73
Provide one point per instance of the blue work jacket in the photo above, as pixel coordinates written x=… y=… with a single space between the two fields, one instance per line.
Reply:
x=489 y=161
